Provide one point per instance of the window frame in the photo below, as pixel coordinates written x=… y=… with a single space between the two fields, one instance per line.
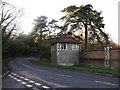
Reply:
x=62 y=46
x=75 y=47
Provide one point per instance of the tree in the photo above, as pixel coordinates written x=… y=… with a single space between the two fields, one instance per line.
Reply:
x=52 y=25
x=9 y=17
x=40 y=30
x=43 y=32
x=27 y=45
x=84 y=17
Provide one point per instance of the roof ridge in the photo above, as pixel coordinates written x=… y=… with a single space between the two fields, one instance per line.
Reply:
x=65 y=38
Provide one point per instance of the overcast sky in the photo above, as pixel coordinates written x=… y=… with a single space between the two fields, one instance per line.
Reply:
x=51 y=9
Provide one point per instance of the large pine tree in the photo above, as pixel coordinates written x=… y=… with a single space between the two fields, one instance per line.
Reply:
x=87 y=18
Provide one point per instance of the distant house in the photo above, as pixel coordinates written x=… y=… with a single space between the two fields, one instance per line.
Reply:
x=65 y=50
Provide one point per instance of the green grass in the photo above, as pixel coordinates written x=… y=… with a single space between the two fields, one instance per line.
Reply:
x=103 y=70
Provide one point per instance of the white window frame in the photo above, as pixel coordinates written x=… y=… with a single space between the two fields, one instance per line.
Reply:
x=58 y=46
x=75 y=47
x=64 y=47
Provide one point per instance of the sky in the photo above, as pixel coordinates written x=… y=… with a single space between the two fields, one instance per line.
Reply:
x=51 y=9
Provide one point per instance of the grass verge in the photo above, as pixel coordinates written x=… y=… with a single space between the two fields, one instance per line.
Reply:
x=102 y=70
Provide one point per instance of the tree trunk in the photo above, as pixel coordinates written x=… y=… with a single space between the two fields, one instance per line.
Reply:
x=86 y=34
x=40 y=45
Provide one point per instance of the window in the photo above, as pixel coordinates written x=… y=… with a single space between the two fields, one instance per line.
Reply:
x=75 y=47
x=61 y=46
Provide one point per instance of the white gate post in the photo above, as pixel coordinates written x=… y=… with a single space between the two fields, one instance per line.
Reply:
x=107 y=56
x=107 y=48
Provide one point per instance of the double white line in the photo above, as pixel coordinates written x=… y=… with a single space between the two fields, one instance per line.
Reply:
x=17 y=78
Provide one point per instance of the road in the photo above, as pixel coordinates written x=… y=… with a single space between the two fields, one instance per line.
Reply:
x=35 y=76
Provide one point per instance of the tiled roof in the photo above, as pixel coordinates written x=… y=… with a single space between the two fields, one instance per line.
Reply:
x=66 y=39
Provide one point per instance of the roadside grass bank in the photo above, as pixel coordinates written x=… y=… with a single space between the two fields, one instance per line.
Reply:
x=102 y=70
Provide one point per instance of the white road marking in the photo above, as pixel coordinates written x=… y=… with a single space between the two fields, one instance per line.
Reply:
x=38 y=84
x=26 y=79
x=19 y=80
x=66 y=75
x=39 y=70
x=21 y=77
x=25 y=65
x=106 y=83
x=31 y=81
x=23 y=82
x=50 y=83
x=28 y=85
x=17 y=76
x=9 y=75
x=4 y=74
x=14 y=78
x=12 y=73
x=46 y=71
x=54 y=73
x=46 y=87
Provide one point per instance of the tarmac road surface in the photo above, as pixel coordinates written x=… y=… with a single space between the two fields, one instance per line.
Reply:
x=38 y=77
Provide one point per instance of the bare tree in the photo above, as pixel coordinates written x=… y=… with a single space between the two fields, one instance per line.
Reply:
x=9 y=20
x=9 y=17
